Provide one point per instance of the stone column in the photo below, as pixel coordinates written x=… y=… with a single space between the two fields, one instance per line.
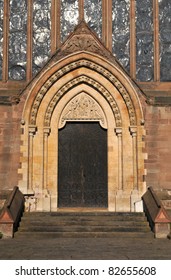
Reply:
x=135 y=196
x=32 y=131
x=133 y=131
x=45 y=201
x=120 y=158
x=122 y=197
x=45 y=157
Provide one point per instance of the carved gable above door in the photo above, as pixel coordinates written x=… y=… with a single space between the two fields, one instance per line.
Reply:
x=84 y=39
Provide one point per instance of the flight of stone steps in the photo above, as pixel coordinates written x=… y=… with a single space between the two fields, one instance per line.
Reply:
x=83 y=224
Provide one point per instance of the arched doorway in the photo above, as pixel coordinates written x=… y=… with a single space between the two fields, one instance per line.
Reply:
x=83 y=89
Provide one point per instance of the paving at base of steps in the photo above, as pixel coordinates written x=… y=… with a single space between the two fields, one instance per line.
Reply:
x=85 y=249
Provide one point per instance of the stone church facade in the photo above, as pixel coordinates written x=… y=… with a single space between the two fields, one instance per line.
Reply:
x=86 y=131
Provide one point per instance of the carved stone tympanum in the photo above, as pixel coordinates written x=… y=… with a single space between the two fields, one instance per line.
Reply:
x=82 y=108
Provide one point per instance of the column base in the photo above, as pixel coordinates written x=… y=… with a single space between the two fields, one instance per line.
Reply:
x=122 y=201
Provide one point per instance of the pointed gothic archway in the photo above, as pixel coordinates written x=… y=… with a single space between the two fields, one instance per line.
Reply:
x=82 y=154
x=87 y=70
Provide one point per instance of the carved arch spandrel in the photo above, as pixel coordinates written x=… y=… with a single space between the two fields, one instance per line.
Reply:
x=94 y=84
x=77 y=64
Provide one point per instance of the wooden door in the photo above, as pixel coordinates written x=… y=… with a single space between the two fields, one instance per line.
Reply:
x=82 y=162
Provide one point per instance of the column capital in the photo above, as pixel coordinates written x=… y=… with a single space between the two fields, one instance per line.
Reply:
x=46 y=131
x=133 y=130
x=32 y=129
x=118 y=131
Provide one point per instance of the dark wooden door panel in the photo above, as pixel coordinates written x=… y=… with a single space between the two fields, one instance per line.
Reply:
x=82 y=174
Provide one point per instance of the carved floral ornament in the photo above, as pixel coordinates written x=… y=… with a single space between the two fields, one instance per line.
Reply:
x=88 y=43
x=101 y=89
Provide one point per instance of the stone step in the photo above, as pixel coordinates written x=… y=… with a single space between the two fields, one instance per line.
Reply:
x=83 y=224
x=78 y=228
x=83 y=216
x=86 y=213
x=49 y=235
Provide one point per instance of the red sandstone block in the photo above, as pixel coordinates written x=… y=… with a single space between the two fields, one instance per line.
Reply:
x=152 y=182
x=152 y=163
x=151 y=144
x=151 y=127
x=163 y=121
x=164 y=128
x=168 y=177
x=153 y=156
x=166 y=185
x=164 y=146
x=162 y=138
x=152 y=176
x=164 y=154
x=165 y=167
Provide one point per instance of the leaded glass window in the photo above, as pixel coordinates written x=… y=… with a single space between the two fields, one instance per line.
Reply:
x=165 y=39
x=41 y=33
x=121 y=31
x=18 y=39
x=93 y=15
x=69 y=17
x=145 y=40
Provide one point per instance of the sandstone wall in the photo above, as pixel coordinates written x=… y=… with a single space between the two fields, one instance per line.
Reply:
x=157 y=146
x=9 y=145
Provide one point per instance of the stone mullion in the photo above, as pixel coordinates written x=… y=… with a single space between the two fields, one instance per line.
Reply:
x=107 y=23
x=32 y=131
x=55 y=30
x=133 y=131
x=104 y=21
x=120 y=158
x=81 y=10
x=45 y=157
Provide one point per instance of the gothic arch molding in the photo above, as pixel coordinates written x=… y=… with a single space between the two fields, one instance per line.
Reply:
x=111 y=72
x=116 y=95
x=80 y=80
